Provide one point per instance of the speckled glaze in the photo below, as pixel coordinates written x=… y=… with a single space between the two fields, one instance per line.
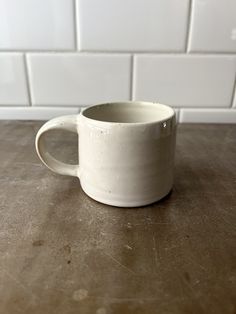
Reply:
x=128 y=163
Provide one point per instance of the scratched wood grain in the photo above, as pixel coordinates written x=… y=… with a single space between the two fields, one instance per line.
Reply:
x=61 y=252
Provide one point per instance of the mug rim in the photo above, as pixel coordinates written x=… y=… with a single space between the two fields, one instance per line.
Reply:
x=123 y=103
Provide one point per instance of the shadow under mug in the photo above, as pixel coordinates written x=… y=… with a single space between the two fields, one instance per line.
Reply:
x=126 y=151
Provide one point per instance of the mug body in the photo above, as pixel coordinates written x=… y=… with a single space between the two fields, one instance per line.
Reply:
x=126 y=152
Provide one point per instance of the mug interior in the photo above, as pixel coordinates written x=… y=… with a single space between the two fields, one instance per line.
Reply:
x=129 y=112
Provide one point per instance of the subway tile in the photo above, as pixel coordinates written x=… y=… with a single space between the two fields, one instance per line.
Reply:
x=37 y=24
x=234 y=98
x=13 y=87
x=176 y=114
x=184 y=80
x=213 y=26
x=77 y=79
x=133 y=25
x=35 y=113
x=188 y=115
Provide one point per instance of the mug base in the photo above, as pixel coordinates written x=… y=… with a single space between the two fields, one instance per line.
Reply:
x=130 y=203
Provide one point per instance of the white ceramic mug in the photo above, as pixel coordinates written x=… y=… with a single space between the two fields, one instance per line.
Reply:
x=126 y=151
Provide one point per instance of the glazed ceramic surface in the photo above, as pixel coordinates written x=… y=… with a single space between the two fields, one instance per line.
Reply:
x=126 y=151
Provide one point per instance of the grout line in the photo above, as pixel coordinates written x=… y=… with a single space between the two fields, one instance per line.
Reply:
x=131 y=77
x=23 y=50
x=31 y=108
x=113 y=52
x=229 y=109
x=59 y=106
x=135 y=51
x=211 y=53
x=75 y=25
x=189 y=28
x=233 y=94
x=27 y=79
x=203 y=108
x=15 y=106
x=208 y=109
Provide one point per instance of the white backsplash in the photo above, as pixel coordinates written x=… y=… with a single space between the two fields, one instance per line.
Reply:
x=57 y=56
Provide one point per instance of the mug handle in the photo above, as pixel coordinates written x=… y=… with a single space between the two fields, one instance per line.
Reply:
x=69 y=123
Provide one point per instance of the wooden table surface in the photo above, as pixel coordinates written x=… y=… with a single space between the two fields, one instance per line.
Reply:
x=63 y=253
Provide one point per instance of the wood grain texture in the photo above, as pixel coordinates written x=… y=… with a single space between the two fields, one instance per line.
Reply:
x=62 y=252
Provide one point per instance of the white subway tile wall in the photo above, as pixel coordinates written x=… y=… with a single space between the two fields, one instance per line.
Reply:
x=37 y=24
x=213 y=26
x=13 y=85
x=77 y=79
x=57 y=56
x=207 y=115
x=234 y=101
x=132 y=25
x=185 y=80
x=35 y=113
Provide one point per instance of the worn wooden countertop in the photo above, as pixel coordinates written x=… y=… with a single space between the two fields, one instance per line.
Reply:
x=61 y=252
